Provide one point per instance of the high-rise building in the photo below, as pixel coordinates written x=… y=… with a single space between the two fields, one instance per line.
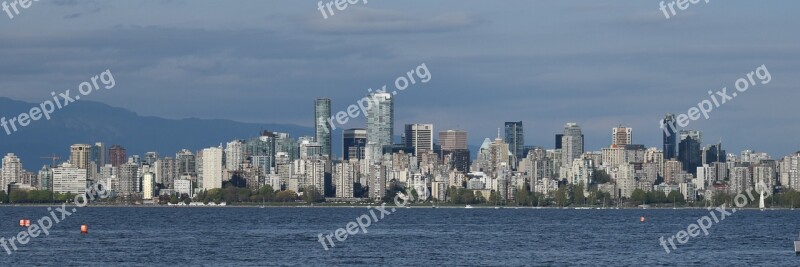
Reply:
x=212 y=168
x=11 y=170
x=453 y=139
x=419 y=138
x=571 y=144
x=68 y=178
x=789 y=170
x=689 y=150
x=621 y=136
x=166 y=171
x=559 y=138
x=148 y=185
x=128 y=179
x=45 y=179
x=322 y=112
x=670 y=136
x=99 y=155
x=284 y=143
x=354 y=142
x=234 y=155
x=454 y=148
x=309 y=148
x=186 y=162
x=263 y=145
x=515 y=138
x=150 y=158
x=117 y=155
x=380 y=125
x=79 y=156
x=714 y=153
x=345 y=176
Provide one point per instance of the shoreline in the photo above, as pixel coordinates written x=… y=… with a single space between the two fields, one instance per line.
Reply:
x=372 y=205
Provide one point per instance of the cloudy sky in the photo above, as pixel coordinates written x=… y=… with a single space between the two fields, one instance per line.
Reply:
x=600 y=64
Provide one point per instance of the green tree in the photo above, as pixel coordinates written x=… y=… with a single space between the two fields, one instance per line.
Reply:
x=453 y=195
x=495 y=198
x=592 y=198
x=312 y=195
x=467 y=196
x=522 y=197
x=601 y=177
x=286 y=196
x=173 y=199
x=577 y=195
x=638 y=196
x=562 y=197
x=676 y=197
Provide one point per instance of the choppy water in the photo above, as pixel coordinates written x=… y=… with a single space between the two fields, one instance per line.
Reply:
x=413 y=237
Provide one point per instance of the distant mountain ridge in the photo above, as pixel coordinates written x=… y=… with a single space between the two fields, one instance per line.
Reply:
x=89 y=122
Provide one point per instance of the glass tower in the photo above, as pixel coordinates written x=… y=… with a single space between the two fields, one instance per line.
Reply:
x=515 y=138
x=322 y=112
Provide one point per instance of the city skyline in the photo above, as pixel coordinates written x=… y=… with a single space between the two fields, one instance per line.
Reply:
x=577 y=65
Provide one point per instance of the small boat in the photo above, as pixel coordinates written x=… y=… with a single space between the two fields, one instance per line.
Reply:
x=761 y=204
x=497 y=208
x=468 y=207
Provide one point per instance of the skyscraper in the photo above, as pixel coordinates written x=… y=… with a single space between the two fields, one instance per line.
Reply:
x=670 y=136
x=117 y=155
x=453 y=139
x=79 y=156
x=322 y=112
x=234 y=155
x=621 y=136
x=454 y=148
x=571 y=144
x=380 y=125
x=354 y=142
x=515 y=138
x=212 y=168
x=419 y=138
x=99 y=154
x=714 y=153
x=689 y=150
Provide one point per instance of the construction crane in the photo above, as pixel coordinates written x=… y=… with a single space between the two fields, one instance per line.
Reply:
x=54 y=157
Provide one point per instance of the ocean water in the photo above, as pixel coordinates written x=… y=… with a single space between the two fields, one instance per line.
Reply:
x=407 y=237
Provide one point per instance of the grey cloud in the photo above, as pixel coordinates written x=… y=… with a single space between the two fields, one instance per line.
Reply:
x=365 y=20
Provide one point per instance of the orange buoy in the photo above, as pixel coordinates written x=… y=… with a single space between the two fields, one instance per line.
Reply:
x=22 y=222
x=641 y=219
x=27 y=223
x=84 y=229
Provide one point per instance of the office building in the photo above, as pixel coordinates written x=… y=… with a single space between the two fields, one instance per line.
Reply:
x=354 y=142
x=322 y=112
x=515 y=138
x=670 y=135
x=419 y=138
x=689 y=150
